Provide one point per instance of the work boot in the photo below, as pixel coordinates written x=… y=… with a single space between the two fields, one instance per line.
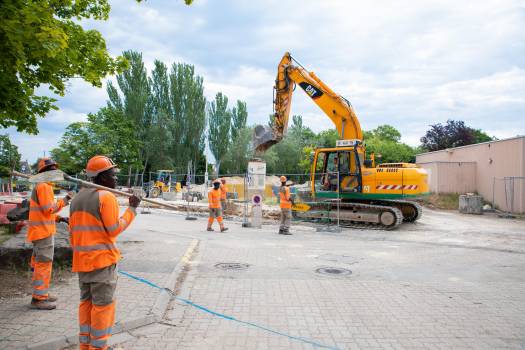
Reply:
x=41 y=305
x=51 y=298
x=209 y=229
x=224 y=229
x=281 y=231
x=286 y=232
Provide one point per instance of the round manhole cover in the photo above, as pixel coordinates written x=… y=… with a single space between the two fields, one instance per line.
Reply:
x=333 y=271
x=232 y=266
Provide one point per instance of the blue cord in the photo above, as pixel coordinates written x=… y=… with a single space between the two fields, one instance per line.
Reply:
x=231 y=318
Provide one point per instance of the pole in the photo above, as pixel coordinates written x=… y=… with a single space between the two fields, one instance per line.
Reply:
x=112 y=190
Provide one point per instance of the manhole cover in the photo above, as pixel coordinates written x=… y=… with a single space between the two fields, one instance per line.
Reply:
x=232 y=266
x=334 y=271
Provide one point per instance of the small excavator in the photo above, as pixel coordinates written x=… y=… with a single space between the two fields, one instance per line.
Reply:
x=343 y=182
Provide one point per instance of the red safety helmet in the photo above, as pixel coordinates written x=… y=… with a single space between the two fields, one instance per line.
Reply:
x=98 y=164
x=45 y=163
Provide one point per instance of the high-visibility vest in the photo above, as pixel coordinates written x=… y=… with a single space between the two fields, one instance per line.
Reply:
x=224 y=190
x=214 y=198
x=94 y=225
x=284 y=195
x=42 y=212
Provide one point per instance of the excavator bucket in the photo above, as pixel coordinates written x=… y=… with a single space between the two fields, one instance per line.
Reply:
x=263 y=138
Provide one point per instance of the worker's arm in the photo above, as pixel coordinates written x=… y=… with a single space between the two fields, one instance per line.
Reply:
x=46 y=199
x=109 y=212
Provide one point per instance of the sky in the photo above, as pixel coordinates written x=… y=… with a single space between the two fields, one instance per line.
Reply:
x=409 y=64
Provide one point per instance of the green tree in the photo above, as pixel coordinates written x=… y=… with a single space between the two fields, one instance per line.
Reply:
x=240 y=152
x=42 y=43
x=76 y=147
x=9 y=156
x=452 y=134
x=239 y=117
x=188 y=118
x=220 y=119
x=327 y=138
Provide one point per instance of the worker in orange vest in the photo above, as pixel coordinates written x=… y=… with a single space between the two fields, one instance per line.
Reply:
x=224 y=191
x=214 y=203
x=286 y=207
x=94 y=225
x=41 y=231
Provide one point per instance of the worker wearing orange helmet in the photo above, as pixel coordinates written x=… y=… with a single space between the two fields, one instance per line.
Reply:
x=214 y=203
x=94 y=225
x=224 y=191
x=286 y=207
x=41 y=231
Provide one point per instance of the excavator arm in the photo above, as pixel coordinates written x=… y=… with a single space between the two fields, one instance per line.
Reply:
x=336 y=107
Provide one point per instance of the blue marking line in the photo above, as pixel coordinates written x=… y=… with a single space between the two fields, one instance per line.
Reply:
x=226 y=317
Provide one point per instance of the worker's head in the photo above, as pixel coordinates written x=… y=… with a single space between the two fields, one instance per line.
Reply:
x=46 y=164
x=103 y=171
x=283 y=179
x=223 y=181
x=216 y=184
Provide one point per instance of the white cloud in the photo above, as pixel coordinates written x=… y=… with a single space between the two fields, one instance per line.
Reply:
x=406 y=63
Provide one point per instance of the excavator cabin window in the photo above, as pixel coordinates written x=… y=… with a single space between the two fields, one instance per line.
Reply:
x=337 y=171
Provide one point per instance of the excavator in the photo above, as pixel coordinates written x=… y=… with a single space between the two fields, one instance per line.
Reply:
x=344 y=184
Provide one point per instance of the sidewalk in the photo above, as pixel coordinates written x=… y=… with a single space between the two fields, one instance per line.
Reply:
x=154 y=260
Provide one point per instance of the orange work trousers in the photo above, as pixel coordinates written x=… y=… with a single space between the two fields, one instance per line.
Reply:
x=96 y=312
x=42 y=266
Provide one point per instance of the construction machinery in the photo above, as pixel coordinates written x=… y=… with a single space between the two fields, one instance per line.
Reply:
x=163 y=183
x=342 y=177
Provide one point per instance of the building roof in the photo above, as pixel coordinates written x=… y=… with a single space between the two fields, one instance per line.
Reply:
x=474 y=144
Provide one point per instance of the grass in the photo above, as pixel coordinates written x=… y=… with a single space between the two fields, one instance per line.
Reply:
x=448 y=201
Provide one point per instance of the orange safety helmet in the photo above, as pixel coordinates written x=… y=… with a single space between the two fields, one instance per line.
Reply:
x=283 y=178
x=45 y=163
x=98 y=164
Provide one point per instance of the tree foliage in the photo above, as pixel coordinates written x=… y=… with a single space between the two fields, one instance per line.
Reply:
x=150 y=122
x=42 y=43
x=219 y=119
x=9 y=156
x=453 y=134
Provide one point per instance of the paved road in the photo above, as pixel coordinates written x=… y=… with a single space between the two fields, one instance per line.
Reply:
x=449 y=281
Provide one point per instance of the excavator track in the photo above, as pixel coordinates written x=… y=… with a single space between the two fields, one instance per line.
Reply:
x=354 y=215
x=412 y=211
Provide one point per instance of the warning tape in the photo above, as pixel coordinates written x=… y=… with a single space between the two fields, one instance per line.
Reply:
x=396 y=187
x=226 y=317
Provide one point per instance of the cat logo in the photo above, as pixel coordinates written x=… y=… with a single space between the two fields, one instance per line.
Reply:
x=311 y=90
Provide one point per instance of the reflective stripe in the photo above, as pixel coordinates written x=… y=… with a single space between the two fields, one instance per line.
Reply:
x=83 y=339
x=89 y=228
x=98 y=343
x=40 y=223
x=113 y=227
x=97 y=333
x=40 y=291
x=89 y=248
x=42 y=208
x=84 y=328
x=37 y=283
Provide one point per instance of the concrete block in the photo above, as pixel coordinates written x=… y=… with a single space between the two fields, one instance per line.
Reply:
x=471 y=204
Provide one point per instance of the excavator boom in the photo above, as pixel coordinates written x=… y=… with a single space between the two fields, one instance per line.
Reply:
x=336 y=107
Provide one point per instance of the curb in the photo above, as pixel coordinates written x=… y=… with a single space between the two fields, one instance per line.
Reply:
x=155 y=315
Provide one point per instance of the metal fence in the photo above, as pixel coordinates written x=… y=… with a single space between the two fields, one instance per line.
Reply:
x=508 y=194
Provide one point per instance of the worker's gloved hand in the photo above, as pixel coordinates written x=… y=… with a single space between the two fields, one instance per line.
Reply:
x=134 y=201
x=62 y=219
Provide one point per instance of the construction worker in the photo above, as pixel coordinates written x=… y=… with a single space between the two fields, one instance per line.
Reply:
x=41 y=230
x=94 y=225
x=286 y=207
x=224 y=191
x=214 y=203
